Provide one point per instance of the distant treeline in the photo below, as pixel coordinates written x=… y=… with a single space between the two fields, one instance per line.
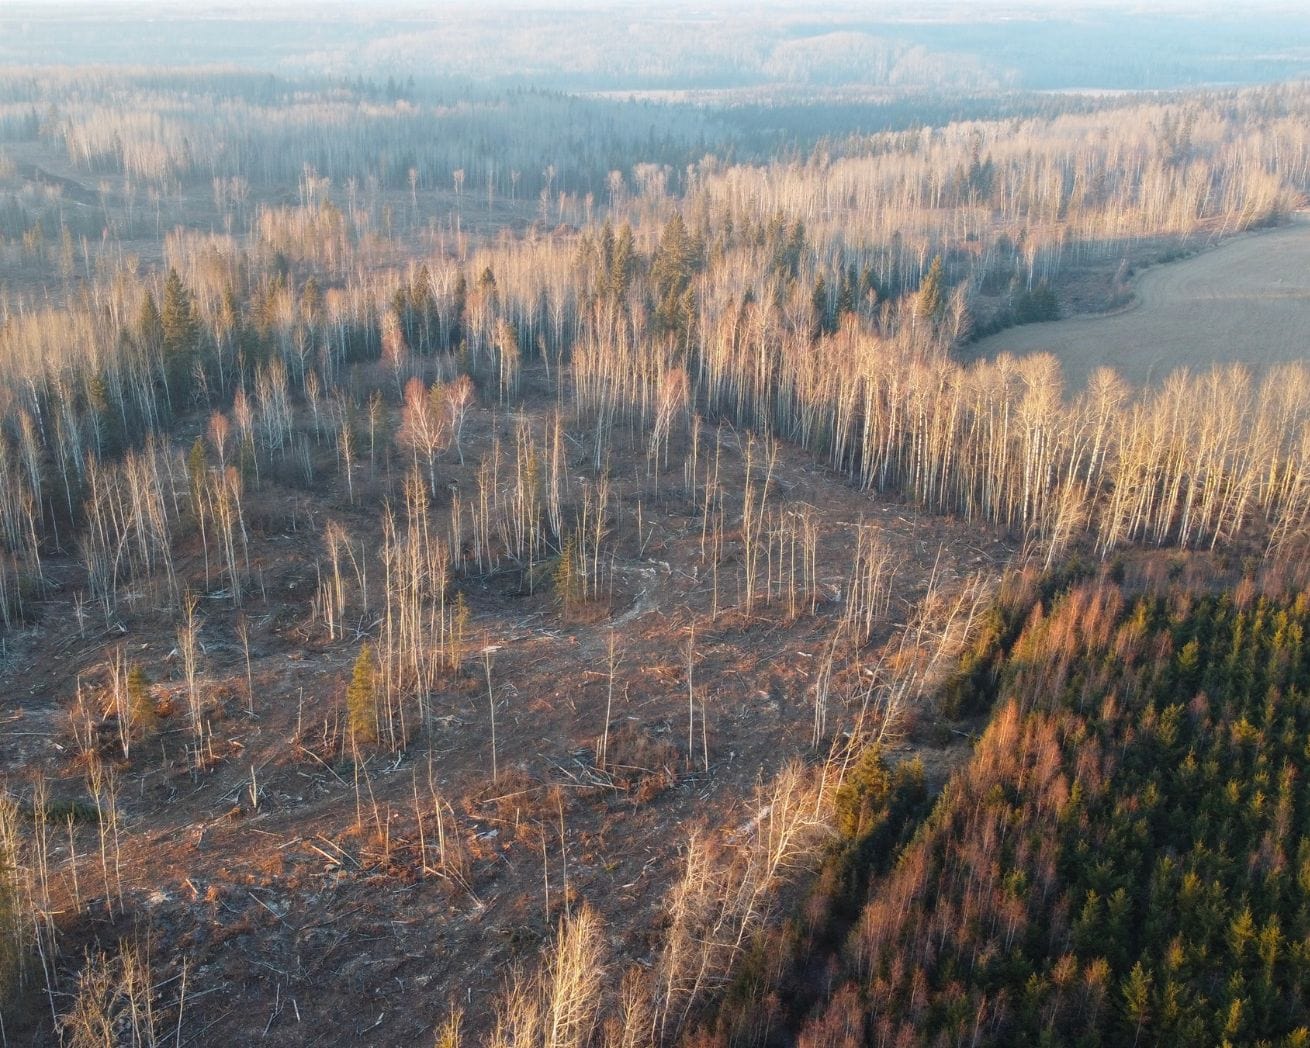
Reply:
x=679 y=46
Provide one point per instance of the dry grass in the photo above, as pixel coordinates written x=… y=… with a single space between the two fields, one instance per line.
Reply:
x=1246 y=301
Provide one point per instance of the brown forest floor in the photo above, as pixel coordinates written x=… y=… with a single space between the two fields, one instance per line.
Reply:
x=305 y=919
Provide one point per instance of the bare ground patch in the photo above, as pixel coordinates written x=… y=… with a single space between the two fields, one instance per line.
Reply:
x=298 y=885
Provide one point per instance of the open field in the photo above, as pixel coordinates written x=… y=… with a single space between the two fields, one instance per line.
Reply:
x=1246 y=301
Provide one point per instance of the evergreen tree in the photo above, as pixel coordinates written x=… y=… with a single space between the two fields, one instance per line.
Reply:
x=930 y=303
x=675 y=264
x=149 y=325
x=229 y=317
x=180 y=327
x=794 y=250
x=181 y=335
x=108 y=422
x=459 y=303
x=311 y=303
x=846 y=295
x=565 y=577
x=196 y=467
x=362 y=698
x=862 y=799
x=141 y=702
x=605 y=246
x=1037 y=305
x=1137 y=999
x=422 y=308
x=623 y=264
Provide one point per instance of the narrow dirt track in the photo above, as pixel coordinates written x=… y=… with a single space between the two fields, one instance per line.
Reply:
x=1246 y=301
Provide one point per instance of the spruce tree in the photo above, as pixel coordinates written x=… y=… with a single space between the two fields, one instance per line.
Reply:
x=861 y=801
x=846 y=302
x=931 y=300
x=149 y=325
x=141 y=702
x=180 y=327
x=459 y=303
x=196 y=467
x=1137 y=999
x=566 y=578
x=362 y=699
x=622 y=265
x=819 y=303
x=311 y=302
x=181 y=334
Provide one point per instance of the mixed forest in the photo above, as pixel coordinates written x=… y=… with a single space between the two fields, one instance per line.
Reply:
x=490 y=565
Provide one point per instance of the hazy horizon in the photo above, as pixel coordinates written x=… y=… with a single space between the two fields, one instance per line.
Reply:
x=618 y=45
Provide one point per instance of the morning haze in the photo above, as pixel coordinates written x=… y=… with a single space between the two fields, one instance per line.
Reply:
x=622 y=525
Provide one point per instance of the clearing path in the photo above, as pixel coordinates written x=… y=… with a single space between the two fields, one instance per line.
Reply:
x=1246 y=301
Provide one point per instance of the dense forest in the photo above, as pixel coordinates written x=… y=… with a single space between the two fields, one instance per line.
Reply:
x=570 y=528
x=1122 y=860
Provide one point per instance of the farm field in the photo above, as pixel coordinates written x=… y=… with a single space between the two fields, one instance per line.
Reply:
x=1245 y=301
